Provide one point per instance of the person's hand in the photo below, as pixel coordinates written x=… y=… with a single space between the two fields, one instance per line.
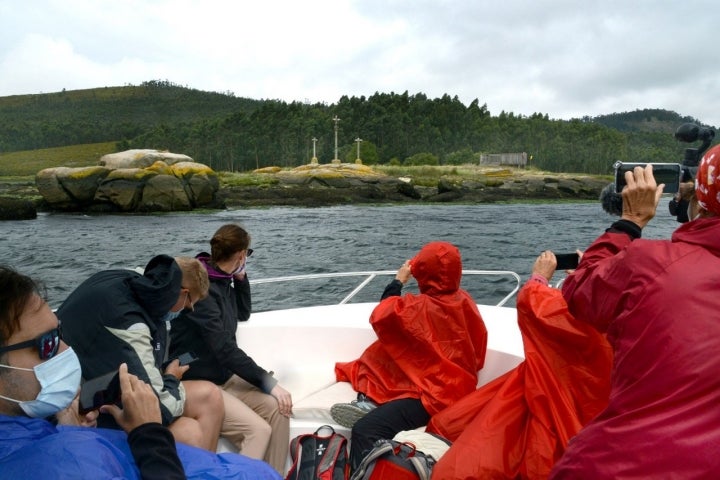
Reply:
x=284 y=400
x=240 y=273
x=686 y=191
x=580 y=255
x=174 y=368
x=641 y=195
x=140 y=405
x=71 y=415
x=545 y=264
x=404 y=273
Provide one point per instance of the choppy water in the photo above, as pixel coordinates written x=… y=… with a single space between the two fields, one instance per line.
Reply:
x=62 y=250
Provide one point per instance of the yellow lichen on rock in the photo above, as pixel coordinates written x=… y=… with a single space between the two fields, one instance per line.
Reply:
x=267 y=170
x=326 y=174
x=130 y=174
x=183 y=169
x=84 y=172
x=160 y=167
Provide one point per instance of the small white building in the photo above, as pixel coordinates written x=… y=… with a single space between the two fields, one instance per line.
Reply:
x=512 y=159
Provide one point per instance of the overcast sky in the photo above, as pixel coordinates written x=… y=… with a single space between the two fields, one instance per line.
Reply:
x=564 y=58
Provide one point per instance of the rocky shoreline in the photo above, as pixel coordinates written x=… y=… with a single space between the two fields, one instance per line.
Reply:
x=21 y=199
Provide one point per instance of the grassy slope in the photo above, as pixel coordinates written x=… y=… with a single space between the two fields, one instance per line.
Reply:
x=141 y=105
x=29 y=162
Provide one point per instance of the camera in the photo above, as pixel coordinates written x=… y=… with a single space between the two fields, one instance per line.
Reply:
x=611 y=199
x=668 y=173
x=688 y=133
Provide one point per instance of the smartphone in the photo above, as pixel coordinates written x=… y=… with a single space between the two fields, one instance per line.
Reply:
x=567 y=261
x=667 y=173
x=186 y=358
x=102 y=390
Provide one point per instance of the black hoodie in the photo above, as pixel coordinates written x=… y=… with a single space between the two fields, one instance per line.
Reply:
x=116 y=316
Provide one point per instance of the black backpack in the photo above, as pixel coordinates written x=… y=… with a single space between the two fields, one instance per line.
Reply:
x=318 y=457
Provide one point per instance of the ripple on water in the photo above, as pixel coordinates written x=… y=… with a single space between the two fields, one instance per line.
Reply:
x=62 y=250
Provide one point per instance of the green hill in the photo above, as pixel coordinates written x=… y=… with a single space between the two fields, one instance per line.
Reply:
x=646 y=120
x=27 y=163
x=29 y=122
x=240 y=134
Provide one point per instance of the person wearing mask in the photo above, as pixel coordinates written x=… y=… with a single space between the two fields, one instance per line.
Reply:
x=257 y=408
x=656 y=301
x=119 y=316
x=429 y=349
x=43 y=434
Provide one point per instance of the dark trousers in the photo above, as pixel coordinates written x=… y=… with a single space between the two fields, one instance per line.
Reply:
x=384 y=422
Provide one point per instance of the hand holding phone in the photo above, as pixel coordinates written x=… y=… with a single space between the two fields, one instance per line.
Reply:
x=140 y=404
x=567 y=261
x=187 y=358
x=667 y=173
x=99 y=391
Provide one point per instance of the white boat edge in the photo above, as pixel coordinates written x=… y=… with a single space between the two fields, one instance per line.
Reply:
x=301 y=346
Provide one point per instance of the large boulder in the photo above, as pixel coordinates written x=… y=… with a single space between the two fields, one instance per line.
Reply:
x=164 y=193
x=135 y=180
x=49 y=184
x=140 y=158
x=123 y=188
x=16 y=209
x=70 y=188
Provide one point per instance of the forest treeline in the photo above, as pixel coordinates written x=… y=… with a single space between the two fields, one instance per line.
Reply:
x=240 y=134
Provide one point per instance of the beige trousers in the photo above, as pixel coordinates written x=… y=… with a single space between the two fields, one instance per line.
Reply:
x=254 y=424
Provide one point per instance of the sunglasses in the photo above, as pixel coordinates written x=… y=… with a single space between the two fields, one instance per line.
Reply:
x=249 y=252
x=47 y=344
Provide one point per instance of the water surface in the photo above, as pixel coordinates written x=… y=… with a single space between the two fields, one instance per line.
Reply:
x=62 y=249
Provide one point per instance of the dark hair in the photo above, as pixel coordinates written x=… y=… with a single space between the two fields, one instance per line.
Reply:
x=228 y=240
x=16 y=291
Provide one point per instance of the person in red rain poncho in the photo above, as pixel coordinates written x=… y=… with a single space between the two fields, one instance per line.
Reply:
x=517 y=426
x=658 y=302
x=429 y=349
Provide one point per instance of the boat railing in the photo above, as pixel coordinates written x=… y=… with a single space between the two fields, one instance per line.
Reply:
x=368 y=276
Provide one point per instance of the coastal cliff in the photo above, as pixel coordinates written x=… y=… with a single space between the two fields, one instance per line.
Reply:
x=334 y=184
x=337 y=184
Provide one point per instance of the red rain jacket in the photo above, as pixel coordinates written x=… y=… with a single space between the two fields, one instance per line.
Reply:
x=658 y=301
x=430 y=346
x=517 y=426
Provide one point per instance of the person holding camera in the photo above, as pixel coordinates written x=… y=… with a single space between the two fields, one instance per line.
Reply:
x=656 y=300
x=518 y=424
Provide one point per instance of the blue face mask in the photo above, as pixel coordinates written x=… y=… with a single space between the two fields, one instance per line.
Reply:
x=59 y=379
x=170 y=316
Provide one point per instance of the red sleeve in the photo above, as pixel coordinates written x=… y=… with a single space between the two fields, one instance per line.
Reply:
x=601 y=270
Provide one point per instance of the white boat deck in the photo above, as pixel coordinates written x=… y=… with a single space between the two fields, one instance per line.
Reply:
x=302 y=345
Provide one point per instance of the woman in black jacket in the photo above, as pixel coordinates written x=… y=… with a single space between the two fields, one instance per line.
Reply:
x=257 y=409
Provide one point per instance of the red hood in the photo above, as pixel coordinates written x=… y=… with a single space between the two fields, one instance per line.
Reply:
x=437 y=268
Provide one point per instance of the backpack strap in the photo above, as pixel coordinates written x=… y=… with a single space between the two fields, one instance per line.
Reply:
x=381 y=448
x=296 y=445
x=417 y=459
x=337 y=446
x=421 y=467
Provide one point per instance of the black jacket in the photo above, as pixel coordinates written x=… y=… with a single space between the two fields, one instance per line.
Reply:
x=209 y=332
x=116 y=316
